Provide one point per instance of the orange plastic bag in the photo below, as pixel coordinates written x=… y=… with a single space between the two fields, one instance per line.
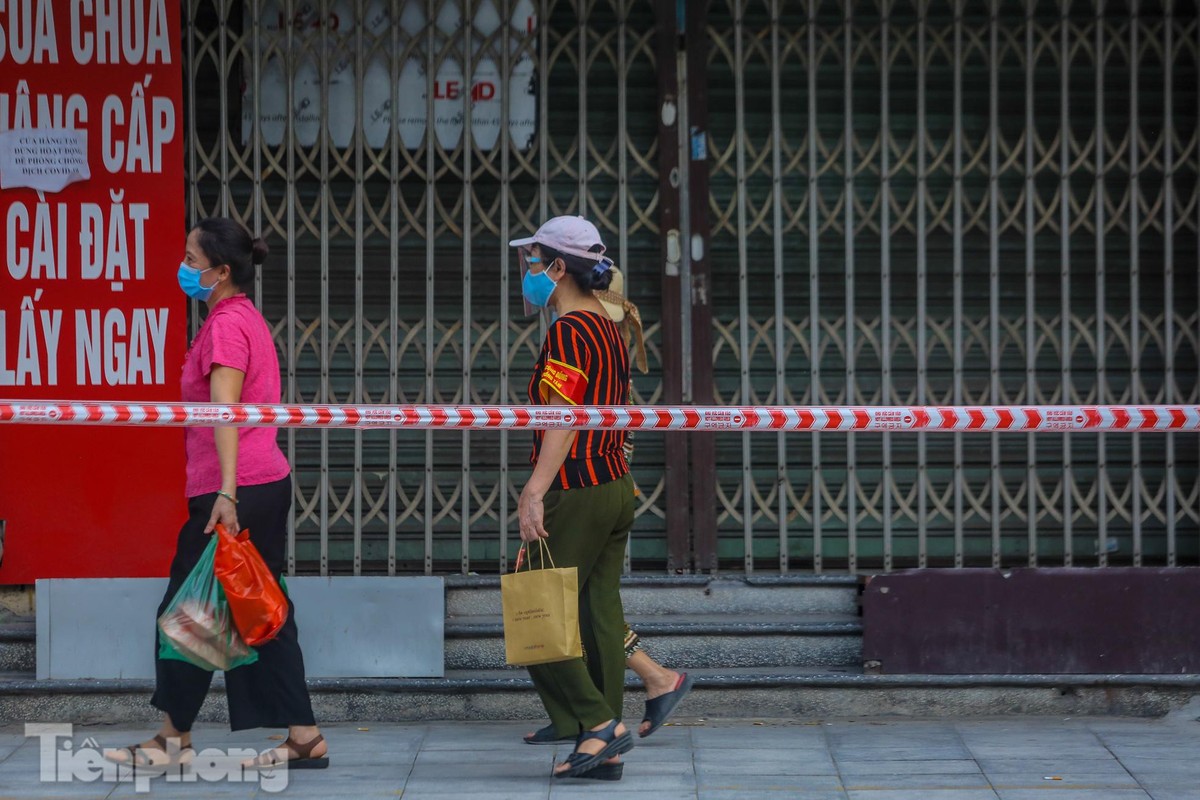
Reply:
x=256 y=600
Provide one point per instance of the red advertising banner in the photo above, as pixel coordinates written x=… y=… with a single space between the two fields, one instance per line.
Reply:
x=91 y=233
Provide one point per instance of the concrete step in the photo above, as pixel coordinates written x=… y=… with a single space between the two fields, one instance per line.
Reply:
x=18 y=649
x=689 y=594
x=683 y=640
x=682 y=651
x=690 y=621
x=687 y=641
x=808 y=695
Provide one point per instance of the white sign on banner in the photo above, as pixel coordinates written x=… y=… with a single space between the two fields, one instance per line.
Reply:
x=377 y=82
x=377 y=103
x=402 y=108
x=46 y=159
x=448 y=104
x=413 y=116
x=487 y=106
x=341 y=101
x=523 y=105
x=306 y=97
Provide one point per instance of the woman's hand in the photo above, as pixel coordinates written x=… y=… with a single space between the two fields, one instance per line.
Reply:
x=225 y=512
x=530 y=515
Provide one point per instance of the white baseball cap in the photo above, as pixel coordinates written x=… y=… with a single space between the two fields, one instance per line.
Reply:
x=571 y=235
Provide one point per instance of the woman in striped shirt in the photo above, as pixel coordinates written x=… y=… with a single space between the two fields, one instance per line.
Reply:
x=580 y=497
x=665 y=688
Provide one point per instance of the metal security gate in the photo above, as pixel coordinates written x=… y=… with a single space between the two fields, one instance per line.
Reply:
x=387 y=183
x=949 y=203
x=387 y=149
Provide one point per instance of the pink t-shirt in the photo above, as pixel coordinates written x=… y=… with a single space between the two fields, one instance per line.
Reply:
x=234 y=335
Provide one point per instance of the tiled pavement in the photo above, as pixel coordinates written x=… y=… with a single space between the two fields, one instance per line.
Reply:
x=1009 y=758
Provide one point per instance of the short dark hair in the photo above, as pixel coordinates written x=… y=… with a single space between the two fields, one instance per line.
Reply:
x=226 y=241
x=583 y=271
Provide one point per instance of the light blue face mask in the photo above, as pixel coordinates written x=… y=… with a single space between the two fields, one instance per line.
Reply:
x=537 y=286
x=189 y=282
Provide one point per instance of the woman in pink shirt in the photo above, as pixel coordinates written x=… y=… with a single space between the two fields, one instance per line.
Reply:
x=240 y=478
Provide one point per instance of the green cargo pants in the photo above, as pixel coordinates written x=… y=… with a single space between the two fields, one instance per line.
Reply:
x=588 y=530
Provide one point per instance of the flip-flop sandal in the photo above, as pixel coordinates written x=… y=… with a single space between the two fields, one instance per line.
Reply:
x=304 y=758
x=547 y=735
x=578 y=763
x=660 y=708
x=144 y=766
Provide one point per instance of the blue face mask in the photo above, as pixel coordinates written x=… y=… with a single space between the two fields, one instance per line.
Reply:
x=189 y=281
x=537 y=287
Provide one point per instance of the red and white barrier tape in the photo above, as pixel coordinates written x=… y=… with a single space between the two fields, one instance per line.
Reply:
x=634 y=418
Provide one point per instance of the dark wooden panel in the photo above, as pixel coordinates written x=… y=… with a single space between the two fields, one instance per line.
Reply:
x=984 y=621
x=703 y=456
x=669 y=218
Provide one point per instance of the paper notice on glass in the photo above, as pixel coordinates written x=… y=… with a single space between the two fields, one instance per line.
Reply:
x=46 y=159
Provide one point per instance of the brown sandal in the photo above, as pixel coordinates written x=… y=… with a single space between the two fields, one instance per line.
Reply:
x=304 y=758
x=145 y=765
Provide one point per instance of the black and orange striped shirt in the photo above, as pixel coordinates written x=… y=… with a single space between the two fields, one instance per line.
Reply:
x=585 y=361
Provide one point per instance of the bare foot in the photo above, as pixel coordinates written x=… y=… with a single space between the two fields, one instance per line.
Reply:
x=663 y=681
x=593 y=746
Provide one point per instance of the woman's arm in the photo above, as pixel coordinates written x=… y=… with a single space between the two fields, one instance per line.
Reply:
x=225 y=385
x=556 y=444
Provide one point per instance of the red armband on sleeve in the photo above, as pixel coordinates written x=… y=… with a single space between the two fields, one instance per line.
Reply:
x=568 y=381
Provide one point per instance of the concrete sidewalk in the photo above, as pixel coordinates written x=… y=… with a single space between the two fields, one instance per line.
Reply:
x=1099 y=758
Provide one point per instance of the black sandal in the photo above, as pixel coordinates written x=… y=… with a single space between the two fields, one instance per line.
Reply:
x=546 y=735
x=658 y=709
x=604 y=772
x=304 y=758
x=578 y=763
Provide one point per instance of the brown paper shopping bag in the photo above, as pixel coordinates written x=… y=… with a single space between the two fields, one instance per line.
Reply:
x=541 y=613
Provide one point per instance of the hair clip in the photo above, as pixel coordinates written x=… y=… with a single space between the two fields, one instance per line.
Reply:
x=603 y=265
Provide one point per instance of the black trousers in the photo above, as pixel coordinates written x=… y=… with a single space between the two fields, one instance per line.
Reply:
x=270 y=693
